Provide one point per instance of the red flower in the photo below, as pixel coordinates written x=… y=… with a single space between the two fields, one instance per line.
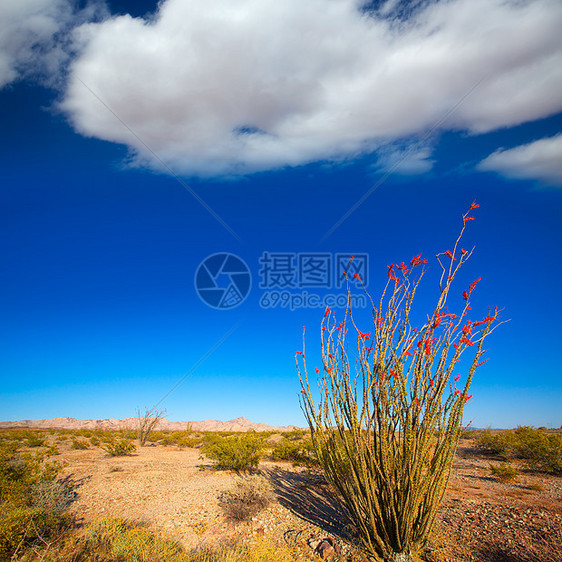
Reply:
x=393 y=373
x=465 y=295
x=430 y=381
x=482 y=362
x=324 y=328
x=390 y=270
x=457 y=392
x=474 y=206
x=379 y=321
x=357 y=276
x=330 y=356
x=407 y=353
x=467 y=398
x=468 y=219
x=317 y=370
x=466 y=341
x=417 y=402
x=450 y=255
x=474 y=283
x=300 y=353
x=463 y=252
x=414 y=261
x=364 y=335
x=351 y=258
x=303 y=392
x=327 y=312
x=457 y=378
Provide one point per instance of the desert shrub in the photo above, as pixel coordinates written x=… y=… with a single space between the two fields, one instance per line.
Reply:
x=540 y=449
x=119 y=540
x=241 y=453
x=35 y=440
x=119 y=448
x=261 y=550
x=32 y=500
x=181 y=439
x=147 y=422
x=300 y=452
x=386 y=411
x=246 y=498
x=87 y=433
x=79 y=444
x=94 y=440
x=295 y=434
x=504 y=472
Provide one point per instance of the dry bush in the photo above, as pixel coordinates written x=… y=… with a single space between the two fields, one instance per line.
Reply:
x=246 y=498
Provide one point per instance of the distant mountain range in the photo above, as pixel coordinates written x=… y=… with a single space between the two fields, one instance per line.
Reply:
x=238 y=424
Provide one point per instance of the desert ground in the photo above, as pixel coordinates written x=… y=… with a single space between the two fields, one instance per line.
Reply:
x=175 y=491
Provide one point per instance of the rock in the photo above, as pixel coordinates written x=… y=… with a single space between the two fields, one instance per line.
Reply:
x=327 y=548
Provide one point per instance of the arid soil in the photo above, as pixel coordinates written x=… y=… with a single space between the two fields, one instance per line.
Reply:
x=176 y=492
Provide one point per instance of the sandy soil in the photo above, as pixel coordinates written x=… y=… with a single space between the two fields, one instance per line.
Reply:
x=175 y=491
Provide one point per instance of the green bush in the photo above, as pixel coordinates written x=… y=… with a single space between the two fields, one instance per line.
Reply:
x=120 y=540
x=540 y=449
x=119 y=448
x=32 y=500
x=79 y=444
x=241 y=453
x=300 y=452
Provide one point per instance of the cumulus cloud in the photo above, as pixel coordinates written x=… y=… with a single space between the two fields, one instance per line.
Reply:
x=32 y=36
x=236 y=86
x=539 y=160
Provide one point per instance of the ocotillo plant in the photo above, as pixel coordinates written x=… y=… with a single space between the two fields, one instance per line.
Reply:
x=385 y=434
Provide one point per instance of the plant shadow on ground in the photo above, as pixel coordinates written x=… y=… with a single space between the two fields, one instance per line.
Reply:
x=309 y=498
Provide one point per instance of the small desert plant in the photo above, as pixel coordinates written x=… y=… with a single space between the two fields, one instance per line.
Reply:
x=35 y=441
x=386 y=426
x=32 y=500
x=248 y=496
x=124 y=541
x=504 y=472
x=119 y=448
x=147 y=421
x=79 y=444
x=241 y=453
x=94 y=440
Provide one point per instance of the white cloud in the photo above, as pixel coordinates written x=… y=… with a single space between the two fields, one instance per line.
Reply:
x=539 y=160
x=28 y=26
x=236 y=86
x=32 y=40
x=406 y=160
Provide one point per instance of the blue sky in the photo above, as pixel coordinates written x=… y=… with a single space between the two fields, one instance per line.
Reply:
x=280 y=118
